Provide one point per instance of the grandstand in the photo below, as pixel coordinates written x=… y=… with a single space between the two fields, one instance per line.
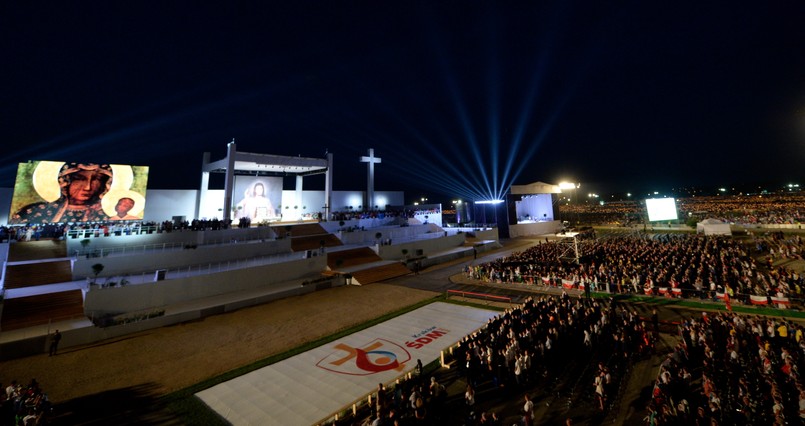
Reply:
x=90 y=285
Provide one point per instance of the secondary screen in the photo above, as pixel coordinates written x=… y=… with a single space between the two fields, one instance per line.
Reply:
x=661 y=209
x=60 y=192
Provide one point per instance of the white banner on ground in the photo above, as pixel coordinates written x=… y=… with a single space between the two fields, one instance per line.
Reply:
x=309 y=387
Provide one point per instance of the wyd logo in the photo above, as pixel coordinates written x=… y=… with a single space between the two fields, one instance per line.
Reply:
x=378 y=356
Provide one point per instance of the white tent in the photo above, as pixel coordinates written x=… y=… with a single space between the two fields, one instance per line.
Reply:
x=713 y=227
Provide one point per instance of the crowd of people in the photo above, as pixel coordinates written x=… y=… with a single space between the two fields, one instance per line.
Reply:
x=380 y=214
x=680 y=265
x=413 y=400
x=24 y=405
x=737 y=209
x=523 y=349
x=528 y=346
x=732 y=369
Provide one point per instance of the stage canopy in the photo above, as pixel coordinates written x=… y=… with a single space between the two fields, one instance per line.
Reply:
x=251 y=164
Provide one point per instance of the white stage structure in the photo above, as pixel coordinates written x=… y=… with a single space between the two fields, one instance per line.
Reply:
x=314 y=386
x=531 y=209
x=713 y=227
x=246 y=163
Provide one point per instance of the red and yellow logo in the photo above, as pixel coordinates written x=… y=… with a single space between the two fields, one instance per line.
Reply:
x=377 y=356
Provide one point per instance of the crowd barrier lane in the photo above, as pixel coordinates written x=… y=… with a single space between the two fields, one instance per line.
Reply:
x=485 y=296
x=744 y=299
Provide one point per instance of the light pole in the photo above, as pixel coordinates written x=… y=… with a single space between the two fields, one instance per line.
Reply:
x=574 y=187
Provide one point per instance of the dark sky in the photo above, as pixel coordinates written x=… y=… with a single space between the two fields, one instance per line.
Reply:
x=459 y=98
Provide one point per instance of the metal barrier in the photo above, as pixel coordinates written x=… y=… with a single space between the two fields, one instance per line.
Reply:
x=110 y=231
x=485 y=296
x=127 y=250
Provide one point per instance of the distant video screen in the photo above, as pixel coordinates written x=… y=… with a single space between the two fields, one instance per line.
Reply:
x=257 y=198
x=59 y=192
x=661 y=209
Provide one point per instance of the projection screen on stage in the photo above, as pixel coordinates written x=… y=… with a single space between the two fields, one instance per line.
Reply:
x=257 y=198
x=66 y=192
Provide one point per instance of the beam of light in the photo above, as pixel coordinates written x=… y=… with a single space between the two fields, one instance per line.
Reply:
x=522 y=123
x=489 y=202
x=469 y=134
x=462 y=115
x=413 y=159
x=493 y=80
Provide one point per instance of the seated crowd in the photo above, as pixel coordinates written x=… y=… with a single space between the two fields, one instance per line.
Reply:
x=523 y=349
x=732 y=369
x=528 y=345
x=737 y=209
x=23 y=405
x=683 y=265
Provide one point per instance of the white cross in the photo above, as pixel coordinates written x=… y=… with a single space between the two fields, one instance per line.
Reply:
x=370 y=190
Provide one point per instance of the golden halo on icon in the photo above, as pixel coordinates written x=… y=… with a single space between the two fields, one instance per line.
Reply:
x=122 y=177
x=46 y=180
x=111 y=198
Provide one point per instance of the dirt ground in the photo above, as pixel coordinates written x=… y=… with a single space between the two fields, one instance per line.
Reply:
x=171 y=358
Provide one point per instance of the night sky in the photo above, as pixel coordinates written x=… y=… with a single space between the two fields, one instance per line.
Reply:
x=460 y=99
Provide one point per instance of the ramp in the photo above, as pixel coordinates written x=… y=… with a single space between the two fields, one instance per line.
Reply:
x=22 y=312
x=36 y=250
x=381 y=273
x=352 y=257
x=38 y=273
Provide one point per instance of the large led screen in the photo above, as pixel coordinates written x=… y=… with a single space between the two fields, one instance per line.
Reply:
x=661 y=209
x=257 y=198
x=59 y=192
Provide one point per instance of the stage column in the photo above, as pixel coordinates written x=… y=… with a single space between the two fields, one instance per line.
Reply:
x=229 y=186
x=205 y=184
x=298 y=193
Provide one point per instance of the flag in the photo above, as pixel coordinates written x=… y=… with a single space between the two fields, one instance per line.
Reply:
x=727 y=301
x=758 y=300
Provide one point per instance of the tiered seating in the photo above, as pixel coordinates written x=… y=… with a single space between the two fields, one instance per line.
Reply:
x=36 y=310
x=33 y=274
x=36 y=250
x=348 y=258
x=381 y=273
x=307 y=236
x=301 y=230
x=313 y=242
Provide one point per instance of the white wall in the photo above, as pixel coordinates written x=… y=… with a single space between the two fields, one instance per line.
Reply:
x=163 y=204
x=541 y=228
x=139 y=297
x=342 y=199
x=334 y=226
x=428 y=246
x=136 y=263
x=311 y=202
x=396 y=233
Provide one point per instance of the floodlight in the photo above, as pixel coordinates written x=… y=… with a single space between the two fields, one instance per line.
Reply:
x=567 y=185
